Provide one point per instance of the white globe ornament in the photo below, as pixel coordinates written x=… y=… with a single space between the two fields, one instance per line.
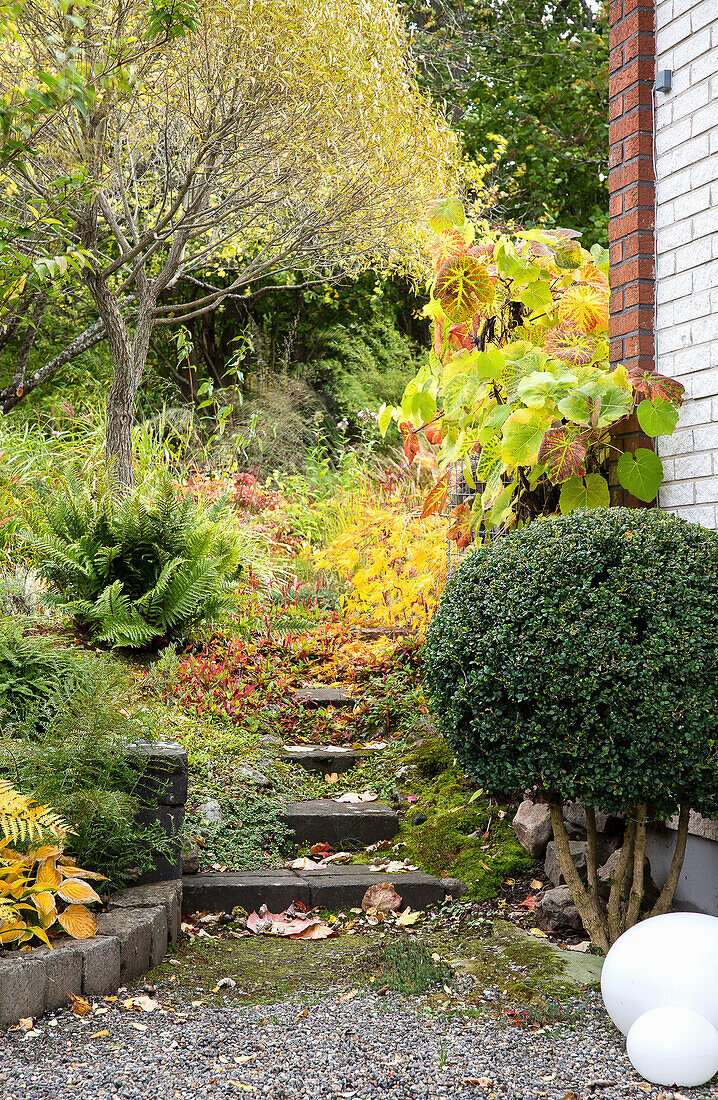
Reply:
x=663 y=962
x=674 y=1046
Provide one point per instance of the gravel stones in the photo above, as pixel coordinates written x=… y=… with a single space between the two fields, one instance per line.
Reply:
x=321 y=1048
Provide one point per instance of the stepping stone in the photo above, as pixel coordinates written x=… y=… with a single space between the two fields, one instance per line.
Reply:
x=330 y=888
x=340 y=887
x=323 y=759
x=219 y=893
x=340 y=823
x=324 y=697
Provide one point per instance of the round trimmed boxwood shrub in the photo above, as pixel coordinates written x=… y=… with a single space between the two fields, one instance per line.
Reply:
x=579 y=656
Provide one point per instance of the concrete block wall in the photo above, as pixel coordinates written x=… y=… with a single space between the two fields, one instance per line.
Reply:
x=686 y=171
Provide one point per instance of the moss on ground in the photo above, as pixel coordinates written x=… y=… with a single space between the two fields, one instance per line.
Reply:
x=525 y=981
x=466 y=835
x=265 y=968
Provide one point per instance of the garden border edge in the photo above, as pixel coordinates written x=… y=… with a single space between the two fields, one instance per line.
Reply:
x=133 y=935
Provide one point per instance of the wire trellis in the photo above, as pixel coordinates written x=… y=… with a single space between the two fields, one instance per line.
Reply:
x=460 y=492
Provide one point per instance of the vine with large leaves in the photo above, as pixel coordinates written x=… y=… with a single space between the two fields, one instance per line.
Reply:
x=518 y=385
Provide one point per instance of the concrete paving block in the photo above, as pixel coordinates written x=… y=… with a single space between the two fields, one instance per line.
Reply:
x=341 y=823
x=149 y=896
x=164 y=776
x=133 y=928
x=159 y=932
x=171 y=819
x=220 y=893
x=23 y=983
x=63 y=968
x=324 y=697
x=100 y=965
x=345 y=887
x=322 y=759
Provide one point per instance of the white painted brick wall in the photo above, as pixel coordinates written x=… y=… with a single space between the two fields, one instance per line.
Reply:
x=687 y=251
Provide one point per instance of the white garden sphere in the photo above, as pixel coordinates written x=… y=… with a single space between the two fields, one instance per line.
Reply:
x=663 y=962
x=674 y=1046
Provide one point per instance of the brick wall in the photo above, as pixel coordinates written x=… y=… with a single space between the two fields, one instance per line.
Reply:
x=632 y=199
x=686 y=140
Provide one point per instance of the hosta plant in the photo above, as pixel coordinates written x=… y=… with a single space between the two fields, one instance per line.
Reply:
x=518 y=386
x=39 y=886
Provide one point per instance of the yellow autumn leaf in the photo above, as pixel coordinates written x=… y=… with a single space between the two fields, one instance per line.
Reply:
x=48 y=874
x=585 y=307
x=75 y=890
x=78 y=922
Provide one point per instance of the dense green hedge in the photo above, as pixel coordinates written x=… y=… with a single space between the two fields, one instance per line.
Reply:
x=580 y=654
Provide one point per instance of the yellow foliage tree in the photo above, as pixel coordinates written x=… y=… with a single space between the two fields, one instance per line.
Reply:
x=259 y=136
x=393 y=563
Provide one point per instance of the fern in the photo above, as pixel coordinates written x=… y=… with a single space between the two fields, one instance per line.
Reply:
x=139 y=571
x=22 y=819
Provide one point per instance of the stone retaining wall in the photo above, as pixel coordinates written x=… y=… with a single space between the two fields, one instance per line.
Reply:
x=161 y=793
x=132 y=936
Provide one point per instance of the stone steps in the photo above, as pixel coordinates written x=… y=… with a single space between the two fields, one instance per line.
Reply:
x=341 y=824
x=316 y=697
x=323 y=759
x=338 y=887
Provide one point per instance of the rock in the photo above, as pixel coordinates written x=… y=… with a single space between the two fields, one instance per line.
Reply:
x=325 y=697
x=418 y=819
x=254 y=776
x=555 y=912
x=211 y=812
x=532 y=825
x=552 y=868
x=269 y=741
x=405 y=772
x=606 y=872
x=190 y=860
x=454 y=887
x=574 y=814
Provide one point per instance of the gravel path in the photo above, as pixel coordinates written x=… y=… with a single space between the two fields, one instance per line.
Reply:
x=367 y=1047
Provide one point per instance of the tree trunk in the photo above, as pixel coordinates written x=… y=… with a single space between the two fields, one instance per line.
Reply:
x=584 y=897
x=120 y=420
x=129 y=355
x=665 y=899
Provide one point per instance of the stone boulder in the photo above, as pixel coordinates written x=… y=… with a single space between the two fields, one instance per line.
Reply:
x=555 y=912
x=574 y=814
x=606 y=872
x=454 y=887
x=577 y=848
x=532 y=825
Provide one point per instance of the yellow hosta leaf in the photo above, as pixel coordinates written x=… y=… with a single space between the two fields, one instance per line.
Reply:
x=72 y=871
x=74 y=889
x=78 y=922
x=45 y=903
x=48 y=874
x=47 y=851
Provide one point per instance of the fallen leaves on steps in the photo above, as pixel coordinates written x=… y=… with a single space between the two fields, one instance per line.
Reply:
x=295 y=923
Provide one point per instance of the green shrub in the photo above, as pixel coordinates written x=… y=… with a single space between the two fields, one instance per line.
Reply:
x=136 y=571
x=578 y=656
